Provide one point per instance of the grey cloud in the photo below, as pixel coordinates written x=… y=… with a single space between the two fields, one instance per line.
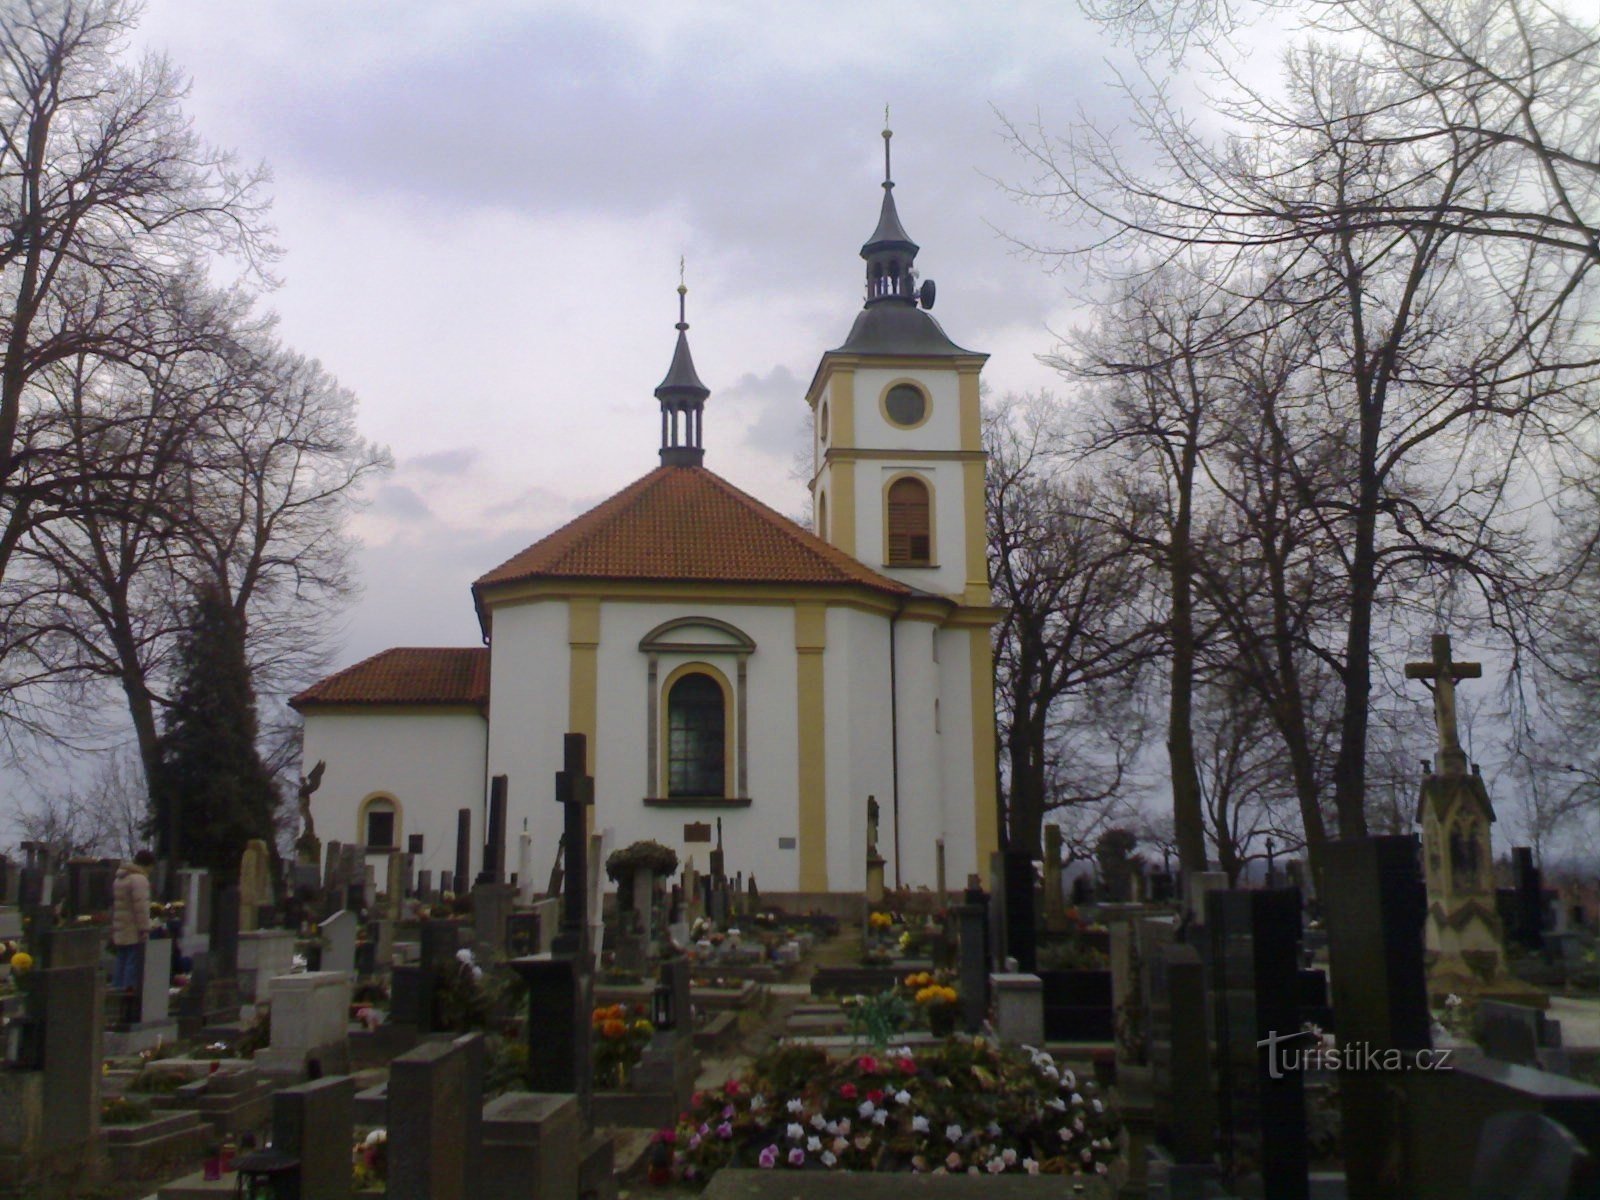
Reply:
x=400 y=503
x=445 y=462
x=777 y=402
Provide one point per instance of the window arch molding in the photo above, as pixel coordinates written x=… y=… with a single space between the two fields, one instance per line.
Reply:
x=379 y=804
x=900 y=529
x=712 y=647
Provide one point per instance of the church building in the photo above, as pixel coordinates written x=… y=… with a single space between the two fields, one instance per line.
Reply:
x=725 y=663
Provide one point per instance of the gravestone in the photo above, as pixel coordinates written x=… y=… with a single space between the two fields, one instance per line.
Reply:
x=255 y=884
x=194 y=889
x=525 y=891
x=494 y=846
x=50 y=1114
x=338 y=935
x=1464 y=952
x=1255 y=954
x=1186 y=1118
x=263 y=955
x=1528 y=903
x=312 y=1122
x=435 y=1120
x=462 y=876
x=530 y=1142
x=492 y=905
x=575 y=794
x=425 y=885
x=1013 y=921
x=560 y=1004
x=972 y=923
x=1515 y=1033
x=310 y=1022
x=1019 y=1008
x=224 y=930
x=1380 y=998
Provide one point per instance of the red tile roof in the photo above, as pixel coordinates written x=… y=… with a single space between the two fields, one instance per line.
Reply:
x=687 y=524
x=408 y=675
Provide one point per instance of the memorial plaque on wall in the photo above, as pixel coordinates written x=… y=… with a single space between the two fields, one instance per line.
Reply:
x=697 y=831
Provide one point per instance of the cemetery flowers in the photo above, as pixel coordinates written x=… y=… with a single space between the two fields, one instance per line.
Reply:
x=968 y=1106
x=620 y=1039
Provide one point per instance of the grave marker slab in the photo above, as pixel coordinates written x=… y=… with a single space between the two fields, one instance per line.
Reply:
x=312 y=1121
x=435 y=1101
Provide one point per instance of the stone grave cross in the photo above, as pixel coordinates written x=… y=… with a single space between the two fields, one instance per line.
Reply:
x=575 y=793
x=1445 y=672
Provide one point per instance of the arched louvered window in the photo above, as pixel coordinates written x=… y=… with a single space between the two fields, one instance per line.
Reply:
x=910 y=533
x=696 y=749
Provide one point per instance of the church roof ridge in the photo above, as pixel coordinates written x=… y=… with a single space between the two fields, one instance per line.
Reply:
x=407 y=675
x=687 y=524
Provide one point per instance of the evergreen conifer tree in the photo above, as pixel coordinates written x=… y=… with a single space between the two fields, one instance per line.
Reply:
x=214 y=793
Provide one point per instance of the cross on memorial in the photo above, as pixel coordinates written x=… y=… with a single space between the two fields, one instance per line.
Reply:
x=1451 y=759
x=575 y=793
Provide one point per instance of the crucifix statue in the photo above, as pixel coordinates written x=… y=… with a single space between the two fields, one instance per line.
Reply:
x=574 y=792
x=1451 y=759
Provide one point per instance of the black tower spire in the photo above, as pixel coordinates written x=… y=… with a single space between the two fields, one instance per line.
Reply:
x=683 y=399
x=889 y=251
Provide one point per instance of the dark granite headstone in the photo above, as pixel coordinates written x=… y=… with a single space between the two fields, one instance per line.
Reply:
x=1380 y=999
x=70 y=945
x=30 y=887
x=435 y=1120
x=224 y=931
x=68 y=1001
x=1515 y=1033
x=1255 y=954
x=462 y=876
x=312 y=1122
x=560 y=1005
x=972 y=923
x=1528 y=923
x=1187 y=1124
x=675 y=977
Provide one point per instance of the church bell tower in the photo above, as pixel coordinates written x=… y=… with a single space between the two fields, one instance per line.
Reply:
x=896 y=430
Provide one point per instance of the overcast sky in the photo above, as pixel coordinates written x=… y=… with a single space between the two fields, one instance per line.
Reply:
x=483 y=205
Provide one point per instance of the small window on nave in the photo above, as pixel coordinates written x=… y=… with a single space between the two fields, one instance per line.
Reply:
x=696 y=722
x=379 y=825
x=910 y=532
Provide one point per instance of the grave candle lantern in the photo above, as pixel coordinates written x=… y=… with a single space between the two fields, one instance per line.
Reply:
x=661 y=1014
x=268 y=1175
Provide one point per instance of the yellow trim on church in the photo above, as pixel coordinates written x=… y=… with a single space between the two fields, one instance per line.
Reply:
x=810 y=641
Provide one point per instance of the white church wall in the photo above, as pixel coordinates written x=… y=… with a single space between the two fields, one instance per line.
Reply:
x=955 y=756
x=921 y=712
x=859 y=762
x=528 y=695
x=942 y=429
x=430 y=762
x=750 y=834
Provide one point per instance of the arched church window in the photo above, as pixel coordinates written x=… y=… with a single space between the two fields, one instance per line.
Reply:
x=378 y=824
x=696 y=721
x=822 y=516
x=910 y=532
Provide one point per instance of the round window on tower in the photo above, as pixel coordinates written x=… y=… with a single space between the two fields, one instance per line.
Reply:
x=822 y=421
x=906 y=405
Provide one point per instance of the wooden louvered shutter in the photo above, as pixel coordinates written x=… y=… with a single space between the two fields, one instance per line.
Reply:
x=909 y=540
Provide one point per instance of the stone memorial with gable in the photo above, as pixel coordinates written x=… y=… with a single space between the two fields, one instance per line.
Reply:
x=1465 y=954
x=255 y=884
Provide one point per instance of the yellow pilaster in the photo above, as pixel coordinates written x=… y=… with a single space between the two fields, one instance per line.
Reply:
x=810 y=640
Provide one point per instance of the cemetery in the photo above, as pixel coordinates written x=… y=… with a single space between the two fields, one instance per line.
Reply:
x=371 y=1032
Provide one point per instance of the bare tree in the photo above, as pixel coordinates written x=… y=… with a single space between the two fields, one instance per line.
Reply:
x=106 y=195
x=1067 y=653
x=1445 y=357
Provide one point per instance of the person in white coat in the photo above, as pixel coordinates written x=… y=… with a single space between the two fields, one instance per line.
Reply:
x=130 y=919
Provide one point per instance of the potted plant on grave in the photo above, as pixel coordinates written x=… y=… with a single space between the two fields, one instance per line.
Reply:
x=622 y=865
x=619 y=1042
x=938 y=1002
